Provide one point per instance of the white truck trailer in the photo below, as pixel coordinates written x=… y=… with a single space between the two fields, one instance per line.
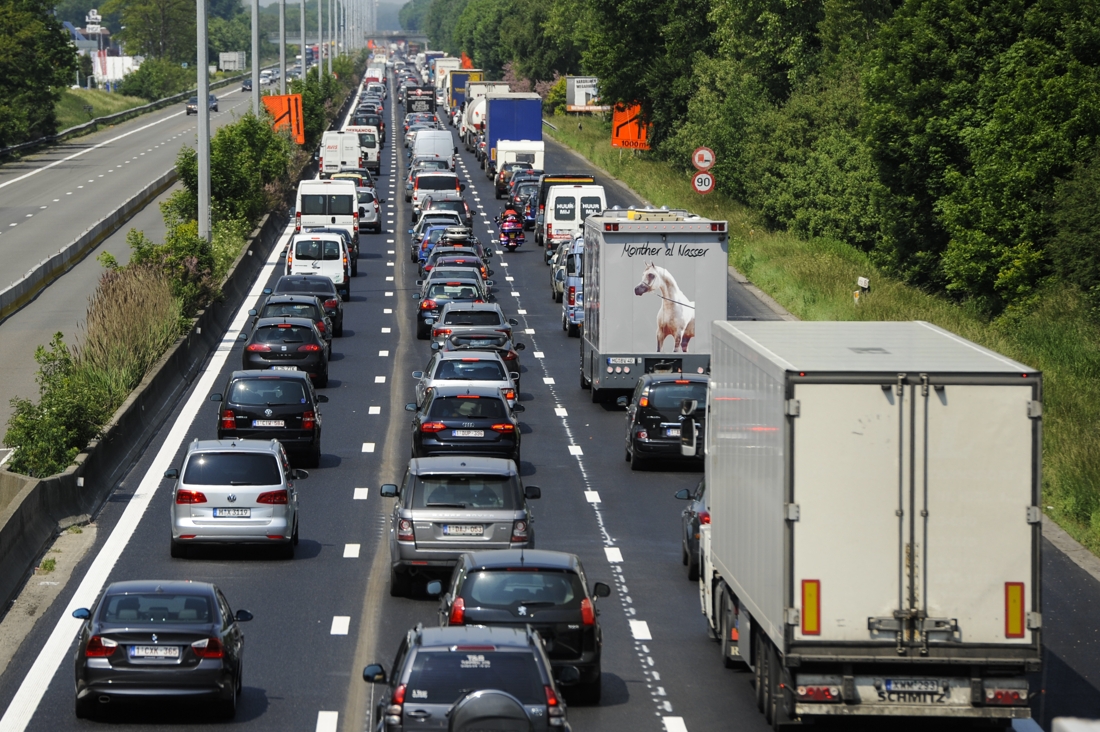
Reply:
x=650 y=276
x=874 y=537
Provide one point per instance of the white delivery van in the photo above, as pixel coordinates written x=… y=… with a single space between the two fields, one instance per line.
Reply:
x=323 y=254
x=437 y=144
x=327 y=203
x=522 y=151
x=369 y=146
x=339 y=150
x=567 y=206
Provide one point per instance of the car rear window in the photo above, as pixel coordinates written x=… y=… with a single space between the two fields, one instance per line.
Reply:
x=443 y=677
x=479 y=340
x=473 y=317
x=291 y=310
x=264 y=392
x=320 y=204
x=155 y=608
x=668 y=396
x=436 y=182
x=288 y=285
x=317 y=249
x=468 y=491
x=283 y=333
x=232 y=468
x=472 y=369
x=455 y=407
x=509 y=588
x=366 y=196
x=526 y=189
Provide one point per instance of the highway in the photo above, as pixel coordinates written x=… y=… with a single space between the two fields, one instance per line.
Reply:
x=660 y=670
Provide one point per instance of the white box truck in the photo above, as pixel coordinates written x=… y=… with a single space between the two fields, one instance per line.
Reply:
x=649 y=276
x=874 y=537
x=473 y=118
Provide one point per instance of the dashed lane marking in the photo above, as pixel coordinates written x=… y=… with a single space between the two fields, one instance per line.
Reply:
x=549 y=380
x=383 y=354
x=538 y=354
x=387 y=330
x=360 y=494
x=592 y=496
x=327 y=721
x=368 y=447
x=640 y=630
x=614 y=554
x=575 y=450
x=340 y=625
x=351 y=551
x=674 y=724
x=374 y=410
x=380 y=379
x=560 y=412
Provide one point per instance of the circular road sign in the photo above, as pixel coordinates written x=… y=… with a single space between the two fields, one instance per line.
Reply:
x=702 y=158
x=702 y=182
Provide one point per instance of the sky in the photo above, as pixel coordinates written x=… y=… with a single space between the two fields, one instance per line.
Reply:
x=387 y=13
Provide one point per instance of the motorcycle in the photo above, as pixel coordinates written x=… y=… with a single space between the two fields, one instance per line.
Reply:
x=511 y=233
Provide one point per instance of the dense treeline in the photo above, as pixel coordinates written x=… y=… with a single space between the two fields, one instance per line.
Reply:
x=954 y=140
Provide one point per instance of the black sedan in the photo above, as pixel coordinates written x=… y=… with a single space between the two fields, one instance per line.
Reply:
x=461 y=420
x=287 y=344
x=165 y=638
x=488 y=340
x=322 y=287
x=691 y=518
x=532 y=588
x=297 y=306
x=653 y=415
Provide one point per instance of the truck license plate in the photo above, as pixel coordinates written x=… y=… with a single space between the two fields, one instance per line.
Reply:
x=233 y=513
x=620 y=360
x=154 y=651
x=463 y=530
x=923 y=686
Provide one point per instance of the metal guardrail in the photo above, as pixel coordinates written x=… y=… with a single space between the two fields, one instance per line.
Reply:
x=555 y=129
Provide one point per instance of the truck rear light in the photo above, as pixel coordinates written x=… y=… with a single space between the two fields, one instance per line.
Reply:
x=273 y=498
x=588 y=612
x=309 y=420
x=405 y=530
x=519 y=530
x=458 y=612
x=185 y=496
x=1006 y=693
x=811 y=607
x=1014 y=610
x=297 y=221
x=610 y=227
x=818 y=693
x=704 y=518
x=572 y=295
x=718 y=226
x=229 y=420
x=433 y=427
x=100 y=647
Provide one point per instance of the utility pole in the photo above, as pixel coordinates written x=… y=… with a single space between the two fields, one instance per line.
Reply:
x=204 y=120
x=302 y=38
x=256 y=57
x=331 y=35
x=282 y=46
x=320 y=39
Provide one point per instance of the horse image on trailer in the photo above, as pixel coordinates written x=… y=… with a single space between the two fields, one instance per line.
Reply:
x=649 y=277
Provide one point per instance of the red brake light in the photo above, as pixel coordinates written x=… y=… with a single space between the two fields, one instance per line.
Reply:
x=185 y=496
x=504 y=428
x=309 y=420
x=258 y=348
x=458 y=612
x=399 y=695
x=309 y=348
x=681 y=381
x=332 y=304
x=433 y=427
x=297 y=221
x=100 y=647
x=321 y=325
x=588 y=612
x=428 y=304
x=551 y=697
x=818 y=693
x=468 y=396
x=437 y=332
x=229 y=420
x=273 y=498
x=468 y=360
x=572 y=295
x=704 y=518
x=510 y=356
x=405 y=530
x=208 y=648
x=549 y=230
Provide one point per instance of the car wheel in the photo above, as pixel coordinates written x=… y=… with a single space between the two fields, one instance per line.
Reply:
x=559 y=296
x=347 y=295
x=760 y=669
x=724 y=627
x=413 y=258
x=355 y=270
x=574 y=331
x=227 y=709
x=421 y=333
x=294 y=537
x=683 y=547
x=590 y=692
x=564 y=322
x=496 y=194
x=692 y=562
x=178 y=550
x=626 y=456
x=286 y=551
x=322 y=380
x=338 y=331
x=399 y=583
x=775 y=698
x=515 y=457
x=314 y=459
x=86 y=708
x=637 y=462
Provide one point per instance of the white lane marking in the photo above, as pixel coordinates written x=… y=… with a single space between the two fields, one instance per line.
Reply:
x=386 y=311
x=389 y=241
x=380 y=379
x=368 y=447
x=538 y=354
x=640 y=630
x=389 y=264
x=389 y=279
x=360 y=494
x=374 y=410
x=389 y=251
x=515 y=294
x=592 y=496
x=560 y=412
x=521 y=312
x=87 y=150
x=575 y=450
x=327 y=721
x=55 y=200
x=13 y=224
x=56 y=648
x=68 y=193
x=614 y=555
x=387 y=330
x=340 y=625
x=351 y=551
x=383 y=354
x=674 y=724
x=389 y=294
x=548 y=379
x=529 y=331
x=509 y=279
x=29 y=215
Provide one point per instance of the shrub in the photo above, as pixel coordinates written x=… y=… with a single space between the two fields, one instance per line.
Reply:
x=156 y=79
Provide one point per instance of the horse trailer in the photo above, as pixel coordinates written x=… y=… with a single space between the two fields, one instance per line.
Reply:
x=650 y=275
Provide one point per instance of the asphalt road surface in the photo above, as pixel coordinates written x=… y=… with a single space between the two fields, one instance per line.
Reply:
x=300 y=675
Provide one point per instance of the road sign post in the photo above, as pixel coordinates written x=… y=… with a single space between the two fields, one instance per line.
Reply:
x=702 y=182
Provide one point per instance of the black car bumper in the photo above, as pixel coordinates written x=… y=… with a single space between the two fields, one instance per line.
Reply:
x=314 y=365
x=294 y=441
x=210 y=679
x=658 y=448
x=426 y=446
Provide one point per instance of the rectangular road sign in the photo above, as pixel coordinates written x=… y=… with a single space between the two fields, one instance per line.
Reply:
x=628 y=129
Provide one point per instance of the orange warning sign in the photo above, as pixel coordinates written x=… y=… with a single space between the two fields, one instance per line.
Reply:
x=466 y=63
x=628 y=129
x=286 y=110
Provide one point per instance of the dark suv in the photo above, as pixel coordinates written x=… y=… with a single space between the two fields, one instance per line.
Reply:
x=653 y=415
x=273 y=405
x=466 y=420
x=436 y=668
x=543 y=589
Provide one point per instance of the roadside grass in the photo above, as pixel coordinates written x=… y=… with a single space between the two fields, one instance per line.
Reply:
x=815 y=280
x=70 y=108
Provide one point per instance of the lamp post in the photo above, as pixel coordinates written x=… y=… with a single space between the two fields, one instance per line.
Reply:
x=256 y=57
x=204 y=120
x=320 y=39
x=282 y=46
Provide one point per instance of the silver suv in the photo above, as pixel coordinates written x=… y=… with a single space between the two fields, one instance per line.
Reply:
x=235 y=492
x=450 y=505
x=466 y=317
x=465 y=368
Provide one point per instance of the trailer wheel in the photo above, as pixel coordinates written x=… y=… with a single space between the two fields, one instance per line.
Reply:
x=775 y=693
x=724 y=625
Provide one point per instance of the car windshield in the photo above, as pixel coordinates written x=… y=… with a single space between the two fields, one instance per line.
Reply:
x=465 y=491
x=282 y=333
x=443 y=677
x=267 y=392
x=155 y=608
x=669 y=396
x=473 y=369
x=436 y=182
x=473 y=317
x=517 y=586
x=232 y=468
x=291 y=310
x=468 y=407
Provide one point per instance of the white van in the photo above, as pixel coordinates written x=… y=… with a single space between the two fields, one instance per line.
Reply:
x=323 y=254
x=327 y=203
x=437 y=144
x=369 y=147
x=567 y=206
x=339 y=150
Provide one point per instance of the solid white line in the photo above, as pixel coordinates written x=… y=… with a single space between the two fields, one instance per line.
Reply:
x=341 y=623
x=674 y=724
x=327 y=721
x=368 y=447
x=361 y=494
x=56 y=649
x=640 y=630
x=351 y=551
x=614 y=555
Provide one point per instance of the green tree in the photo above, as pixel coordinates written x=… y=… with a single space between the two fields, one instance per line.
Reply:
x=439 y=24
x=36 y=62
x=156 y=79
x=412 y=14
x=1076 y=217
x=161 y=29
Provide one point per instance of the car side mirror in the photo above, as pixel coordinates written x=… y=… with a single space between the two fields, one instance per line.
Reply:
x=456 y=148
x=215 y=397
x=519 y=346
x=519 y=408
x=436 y=345
x=410 y=407
x=82 y=613
x=253 y=312
x=172 y=473
x=532 y=492
x=362 y=212
x=322 y=399
x=410 y=231
x=461 y=186
x=381 y=200
x=299 y=474
x=388 y=490
x=418 y=374
x=434 y=588
x=601 y=589
x=688 y=406
x=267 y=290
x=513 y=321
x=559 y=276
x=622 y=402
x=489 y=283
x=682 y=495
x=420 y=283
x=491 y=274
x=374 y=674
x=242 y=616
x=489 y=252
x=569 y=675
x=242 y=337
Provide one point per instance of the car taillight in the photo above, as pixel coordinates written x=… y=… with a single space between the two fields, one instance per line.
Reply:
x=519 y=530
x=229 y=420
x=309 y=420
x=817 y=693
x=309 y=348
x=572 y=295
x=428 y=304
x=553 y=705
x=185 y=496
x=588 y=612
x=273 y=498
x=510 y=356
x=297 y=221
x=458 y=612
x=504 y=428
x=437 y=332
x=332 y=304
x=642 y=435
x=405 y=530
x=549 y=230
x=321 y=325
x=704 y=518
x=395 y=709
x=100 y=647
x=258 y=348
x=208 y=648
x=289 y=260
x=510 y=394
x=433 y=427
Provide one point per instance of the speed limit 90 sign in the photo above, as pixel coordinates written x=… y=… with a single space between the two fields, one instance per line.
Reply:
x=703 y=183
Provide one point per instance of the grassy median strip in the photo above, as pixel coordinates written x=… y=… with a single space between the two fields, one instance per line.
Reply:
x=71 y=107
x=815 y=280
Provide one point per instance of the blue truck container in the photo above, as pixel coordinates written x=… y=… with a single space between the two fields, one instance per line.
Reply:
x=510 y=116
x=457 y=87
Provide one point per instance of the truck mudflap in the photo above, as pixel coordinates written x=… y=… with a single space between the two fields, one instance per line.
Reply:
x=910 y=696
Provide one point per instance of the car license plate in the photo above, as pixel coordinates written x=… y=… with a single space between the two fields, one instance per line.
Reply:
x=232 y=512
x=468 y=433
x=672 y=432
x=922 y=686
x=267 y=423
x=284 y=368
x=154 y=651
x=463 y=530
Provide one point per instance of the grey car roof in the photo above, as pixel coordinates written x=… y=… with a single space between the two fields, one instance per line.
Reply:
x=868 y=347
x=462 y=355
x=178 y=586
x=275 y=299
x=481 y=391
x=277 y=320
x=674 y=376
x=268 y=374
x=541 y=558
x=467 y=306
x=462 y=464
x=271 y=446
x=474 y=635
